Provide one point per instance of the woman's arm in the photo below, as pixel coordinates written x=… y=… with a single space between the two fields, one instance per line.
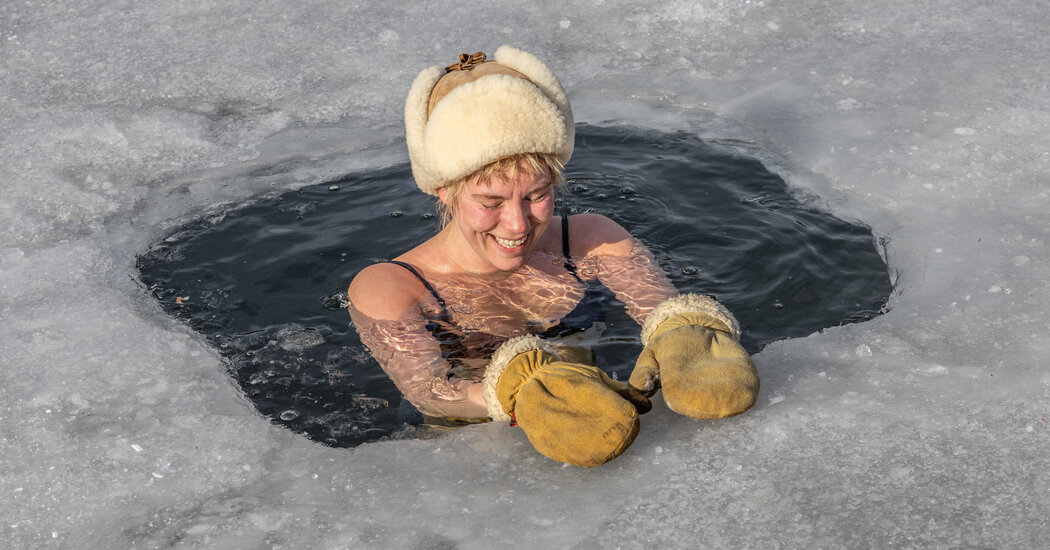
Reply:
x=622 y=263
x=386 y=303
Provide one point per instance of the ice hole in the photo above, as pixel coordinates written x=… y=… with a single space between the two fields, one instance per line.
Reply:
x=264 y=281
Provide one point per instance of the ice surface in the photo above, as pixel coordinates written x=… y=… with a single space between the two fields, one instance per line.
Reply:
x=927 y=427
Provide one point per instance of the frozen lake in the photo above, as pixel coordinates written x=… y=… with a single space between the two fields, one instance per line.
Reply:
x=926 y=427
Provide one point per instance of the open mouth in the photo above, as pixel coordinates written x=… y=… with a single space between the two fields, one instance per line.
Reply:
x=508 y=243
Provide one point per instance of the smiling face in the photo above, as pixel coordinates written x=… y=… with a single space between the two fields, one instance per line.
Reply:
x=497 y=222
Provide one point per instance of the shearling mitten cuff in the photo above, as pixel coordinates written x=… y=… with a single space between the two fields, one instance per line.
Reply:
x=692 y=350
x=498 y=363
x=689 y=303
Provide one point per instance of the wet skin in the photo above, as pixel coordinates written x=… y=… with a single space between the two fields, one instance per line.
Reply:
x=498 y=223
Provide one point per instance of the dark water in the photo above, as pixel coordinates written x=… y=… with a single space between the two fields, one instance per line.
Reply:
x=264 y=282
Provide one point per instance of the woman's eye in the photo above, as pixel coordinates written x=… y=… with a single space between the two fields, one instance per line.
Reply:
x=540 y=197
x=493 y=206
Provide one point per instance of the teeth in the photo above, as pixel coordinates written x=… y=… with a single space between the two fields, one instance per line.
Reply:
x=509 y=244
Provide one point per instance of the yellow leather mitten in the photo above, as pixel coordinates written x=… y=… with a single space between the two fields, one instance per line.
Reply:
x=692 y=350
x=570 y=412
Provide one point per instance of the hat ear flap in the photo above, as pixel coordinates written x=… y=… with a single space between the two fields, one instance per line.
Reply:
x=416 y=122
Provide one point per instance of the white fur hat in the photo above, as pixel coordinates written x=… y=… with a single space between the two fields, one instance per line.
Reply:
x=485 y=118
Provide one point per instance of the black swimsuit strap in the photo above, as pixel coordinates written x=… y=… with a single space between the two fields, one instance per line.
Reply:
x=569 y=265
x=440 y=300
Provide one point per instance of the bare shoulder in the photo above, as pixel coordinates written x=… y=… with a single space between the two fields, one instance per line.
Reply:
x=385 y=291
x=595 y=234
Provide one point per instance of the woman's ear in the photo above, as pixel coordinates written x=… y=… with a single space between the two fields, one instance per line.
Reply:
x=442 y=193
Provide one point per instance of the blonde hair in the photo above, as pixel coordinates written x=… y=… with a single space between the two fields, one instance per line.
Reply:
x=506 y=167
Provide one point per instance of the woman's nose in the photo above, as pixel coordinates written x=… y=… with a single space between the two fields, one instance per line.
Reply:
x=516 y=218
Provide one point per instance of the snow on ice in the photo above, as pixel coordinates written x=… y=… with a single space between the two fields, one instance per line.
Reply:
x=926 y=427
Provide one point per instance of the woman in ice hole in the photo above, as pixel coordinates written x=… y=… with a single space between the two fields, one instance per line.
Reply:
x=485 y=320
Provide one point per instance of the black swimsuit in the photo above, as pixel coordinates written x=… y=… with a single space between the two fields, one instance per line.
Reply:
x=456 y=343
